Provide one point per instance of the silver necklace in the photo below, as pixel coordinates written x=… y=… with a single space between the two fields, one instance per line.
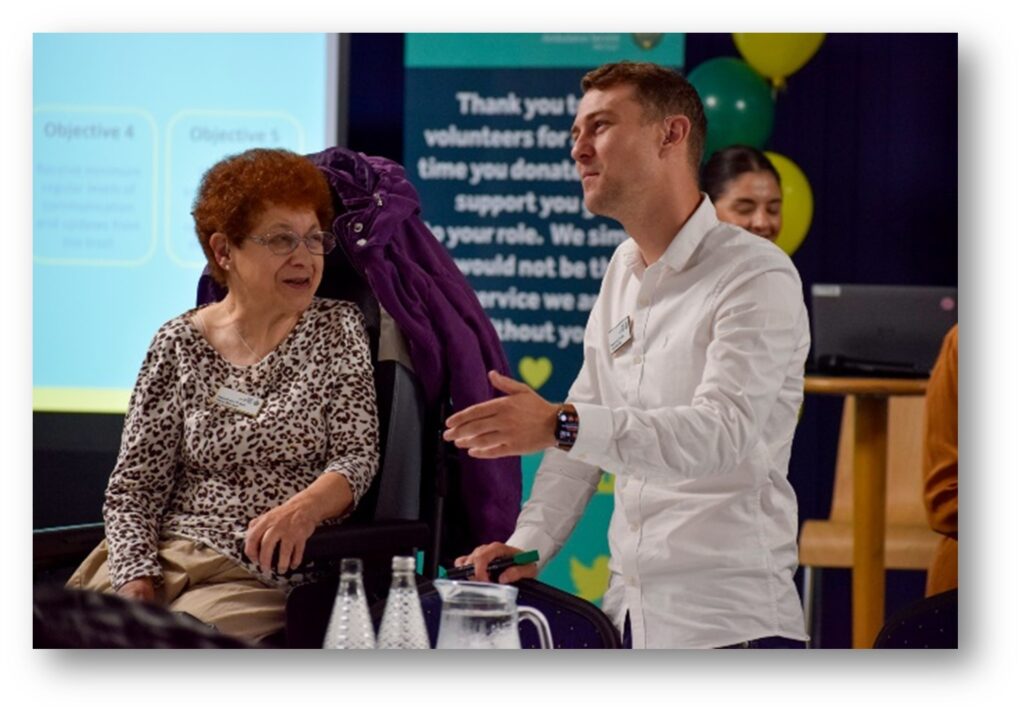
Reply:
x=246 y=344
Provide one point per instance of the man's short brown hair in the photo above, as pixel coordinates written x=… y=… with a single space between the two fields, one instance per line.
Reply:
x=661 y=91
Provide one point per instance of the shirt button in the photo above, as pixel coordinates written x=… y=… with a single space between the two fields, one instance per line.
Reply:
x=637 y=360
x=634 y=527
x=358 y=228
x=361 y=242
x=643 y=302
x=631 y=581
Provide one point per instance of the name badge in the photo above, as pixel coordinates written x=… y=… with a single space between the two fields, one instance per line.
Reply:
x=238 y=401
x=621 y=334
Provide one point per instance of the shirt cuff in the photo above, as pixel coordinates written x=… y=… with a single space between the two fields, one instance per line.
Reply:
x=357 y=473
x=594 y=434
x=119 y=577
x=530 y=537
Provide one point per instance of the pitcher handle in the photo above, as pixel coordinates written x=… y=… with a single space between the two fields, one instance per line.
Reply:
x=539 y=622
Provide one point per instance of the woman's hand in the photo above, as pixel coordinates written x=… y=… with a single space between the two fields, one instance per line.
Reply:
x=289 y=526
x=286 y=528
x=140 y=589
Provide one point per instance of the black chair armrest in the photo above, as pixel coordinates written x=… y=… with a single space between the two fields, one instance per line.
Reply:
x=63 y=546
x=381 y=538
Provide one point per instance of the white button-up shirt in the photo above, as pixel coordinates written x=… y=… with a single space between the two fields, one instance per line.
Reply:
x=695 y=416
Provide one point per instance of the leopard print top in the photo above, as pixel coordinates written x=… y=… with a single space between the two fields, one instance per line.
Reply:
x=189 y=467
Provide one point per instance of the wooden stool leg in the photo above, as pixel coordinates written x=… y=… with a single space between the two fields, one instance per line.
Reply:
x=870 y=434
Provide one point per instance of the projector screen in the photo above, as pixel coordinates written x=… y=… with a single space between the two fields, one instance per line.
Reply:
x=124 y=125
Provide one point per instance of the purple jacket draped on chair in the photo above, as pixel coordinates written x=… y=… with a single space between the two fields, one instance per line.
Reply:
x=452 y=342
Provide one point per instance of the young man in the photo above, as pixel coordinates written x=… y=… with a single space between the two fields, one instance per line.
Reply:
x=689 y=392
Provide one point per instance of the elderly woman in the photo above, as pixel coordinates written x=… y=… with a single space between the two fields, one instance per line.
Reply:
x=253 y=419
x=745 y=189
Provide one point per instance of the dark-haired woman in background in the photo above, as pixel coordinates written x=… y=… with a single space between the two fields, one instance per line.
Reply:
x=745 y=189
x=253 y=419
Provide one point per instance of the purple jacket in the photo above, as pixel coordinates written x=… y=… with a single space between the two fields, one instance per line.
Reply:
x=452 y=342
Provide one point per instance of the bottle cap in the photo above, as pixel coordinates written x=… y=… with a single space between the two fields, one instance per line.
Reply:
x=403 y=563
x=351 y=567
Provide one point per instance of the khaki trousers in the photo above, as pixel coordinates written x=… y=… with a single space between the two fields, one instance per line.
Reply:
x=203 y=583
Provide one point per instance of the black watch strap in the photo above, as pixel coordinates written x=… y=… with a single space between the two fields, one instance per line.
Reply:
x=567 y=425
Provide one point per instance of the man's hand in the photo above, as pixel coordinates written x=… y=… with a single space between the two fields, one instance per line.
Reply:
x=522 y=422
x=140 y=589
x=483 y=555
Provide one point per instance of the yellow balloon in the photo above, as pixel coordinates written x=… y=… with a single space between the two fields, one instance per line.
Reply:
x=776 y=55
x=797 y=203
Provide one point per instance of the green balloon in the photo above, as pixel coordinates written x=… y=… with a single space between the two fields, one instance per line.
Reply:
x=737 y=102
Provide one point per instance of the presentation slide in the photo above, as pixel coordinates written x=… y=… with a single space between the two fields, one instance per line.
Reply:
x=124 y=127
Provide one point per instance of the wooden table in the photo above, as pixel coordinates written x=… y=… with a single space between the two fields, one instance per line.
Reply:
x=870 y=437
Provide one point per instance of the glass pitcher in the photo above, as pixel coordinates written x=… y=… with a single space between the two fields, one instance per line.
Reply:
x=484 y=615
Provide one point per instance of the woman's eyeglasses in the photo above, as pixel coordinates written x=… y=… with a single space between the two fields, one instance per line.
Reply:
x=282 y=243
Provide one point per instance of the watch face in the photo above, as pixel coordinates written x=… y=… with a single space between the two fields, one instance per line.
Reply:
x=566 y=428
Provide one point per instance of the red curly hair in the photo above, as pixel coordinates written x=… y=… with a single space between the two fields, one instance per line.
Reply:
x=236 y=190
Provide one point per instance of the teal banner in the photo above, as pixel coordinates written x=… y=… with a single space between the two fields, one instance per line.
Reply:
x=487 y=144
x=565 y=49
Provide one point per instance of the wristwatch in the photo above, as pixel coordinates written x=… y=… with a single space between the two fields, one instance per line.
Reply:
x=567 y=425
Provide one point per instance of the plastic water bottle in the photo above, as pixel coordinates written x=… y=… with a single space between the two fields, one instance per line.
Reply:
x=350 y=626
x=403 y=625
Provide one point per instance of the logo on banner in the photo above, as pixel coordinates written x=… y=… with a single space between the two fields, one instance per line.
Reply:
x=591 y=581
x=647 y=40
x=535 y=371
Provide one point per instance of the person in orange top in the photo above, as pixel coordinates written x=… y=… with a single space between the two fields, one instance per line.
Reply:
x=941 y=465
